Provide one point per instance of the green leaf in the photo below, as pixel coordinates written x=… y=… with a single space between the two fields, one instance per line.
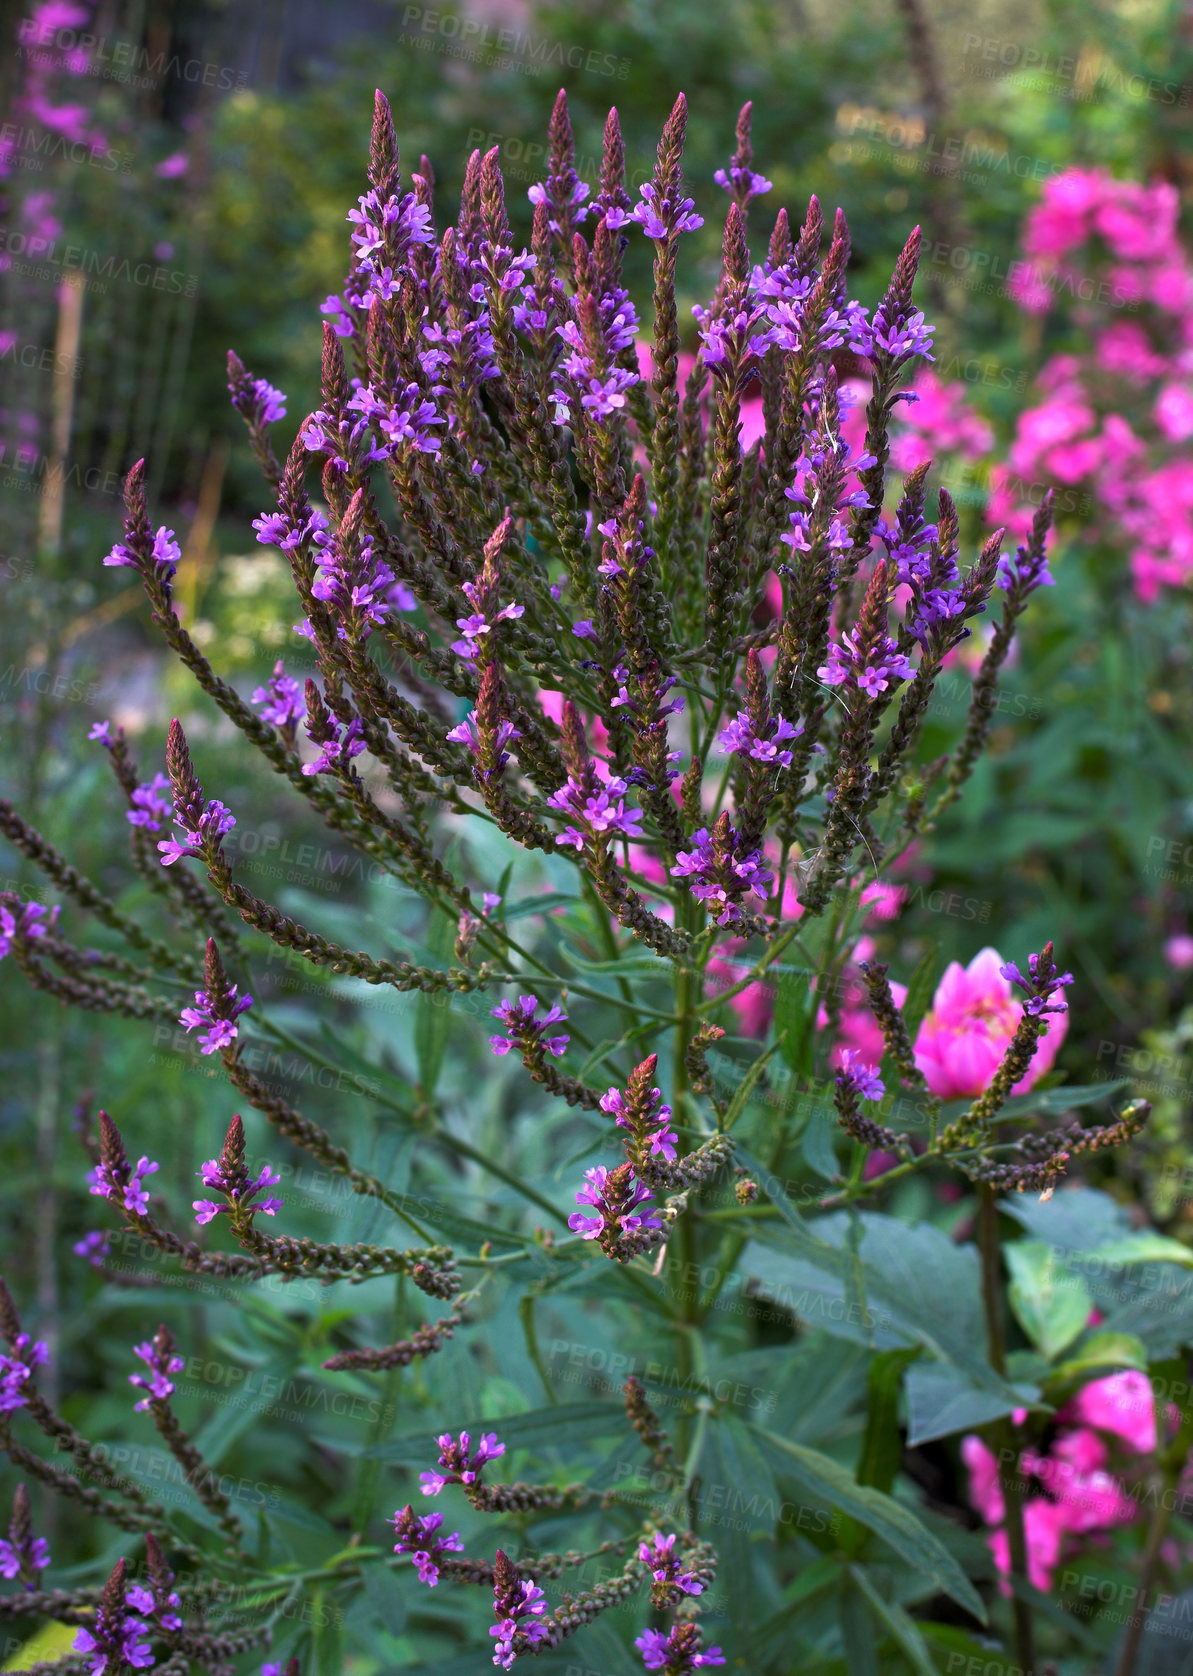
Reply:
x=630 y=965
x=1051 y=1304
x=827 y=1481
x=903 y=1630
x=327 y=1634
x=745 y=1089
x=1047 y=1102
x=433 y=1019
x=816 y=1143
x=1100 y=1350
x=941 y=1401
x=920 y=990
x=1146 y=1247
x=857 y=1630
x=879 y=1462
x=538 y=905
x=795 y=1009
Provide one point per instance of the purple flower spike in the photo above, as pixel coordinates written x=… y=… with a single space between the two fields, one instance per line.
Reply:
x=102 y=734
x=131 y=1196
x=416 y=1537
x=743 y=736
x=229 y=1175
x=1040 y=985
x=514 y=1599
x=221 y=1030
x=17 y=1369
x=280 y=698
x=28 y=920
x=520 y=1019
x=680 y=1650
x=719 y=875
x=150 y=810
x=159 y=1357
x=863 y=1080
x=461 y=1463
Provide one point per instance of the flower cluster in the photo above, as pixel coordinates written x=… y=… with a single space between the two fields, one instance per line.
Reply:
x=669 y=1571
x=524 y=1026
x=679 y=1651
x=514 y=1599
x=416 y=1536
x=870 y=669
x=622 y=1206
x=23 y=1555
x=219 y=1015
x=124 y=1188
x=17 y=1369
x=29 y=920
x=228 y=1174
x=597 y=809
x=163 y=556
x=280 y=698
x=159 y=1357
x=462 y=1463
x=259 y=402
x=1077 y=1495
x=150 y=809
x=721 y=873
x=859 y=1078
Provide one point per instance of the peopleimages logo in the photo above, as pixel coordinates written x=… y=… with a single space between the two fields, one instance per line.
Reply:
x=119 y=60
x=476 y=38
x=49 y=255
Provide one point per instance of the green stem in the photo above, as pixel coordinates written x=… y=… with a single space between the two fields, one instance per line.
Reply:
x=1004 y=1432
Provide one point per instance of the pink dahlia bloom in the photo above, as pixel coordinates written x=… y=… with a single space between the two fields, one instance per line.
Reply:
x=963 y=1038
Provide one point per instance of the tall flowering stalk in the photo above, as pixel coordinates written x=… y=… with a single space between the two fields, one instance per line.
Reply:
x=686 y=671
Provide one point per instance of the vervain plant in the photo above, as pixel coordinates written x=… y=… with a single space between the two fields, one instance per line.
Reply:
x=538 y=597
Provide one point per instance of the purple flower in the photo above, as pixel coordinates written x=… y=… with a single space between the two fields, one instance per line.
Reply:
x=598 y=806
x=223 y=1028
x=860 y=1078
x=337 y=751
x=527 y=1029
x=718 y=874
x=872 y=673
x=1026 y=572
x=213 y=820
x=159 y=1358
x=150 y=809
x=662 y=218
x=464 y=734
x=742 y=736
x=166 y=554
x=897 y=333
x=94 y=1247
x=666 y=1566
x=239 y=1189
x=102 y=734
x=1041 y=983
x=680 y=1650
x=25 y=923
x=16 y=1370
x=742 y=184
x=280 y=698
x=461 y=1463
x=661 y=1140
x=259 y=402
x=621 y=1204
x=26 y=1558
x=514 y=1599
x=130 y=1195
x=123 y=1642
x=475 y=627
x=416 y=1537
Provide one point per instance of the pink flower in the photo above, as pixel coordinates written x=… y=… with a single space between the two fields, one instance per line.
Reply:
x=1121 y=1404
x=1174 y=412
x=1178 y=952
x=985 y=1494
x=1044 y=1525
x=973 y=1018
